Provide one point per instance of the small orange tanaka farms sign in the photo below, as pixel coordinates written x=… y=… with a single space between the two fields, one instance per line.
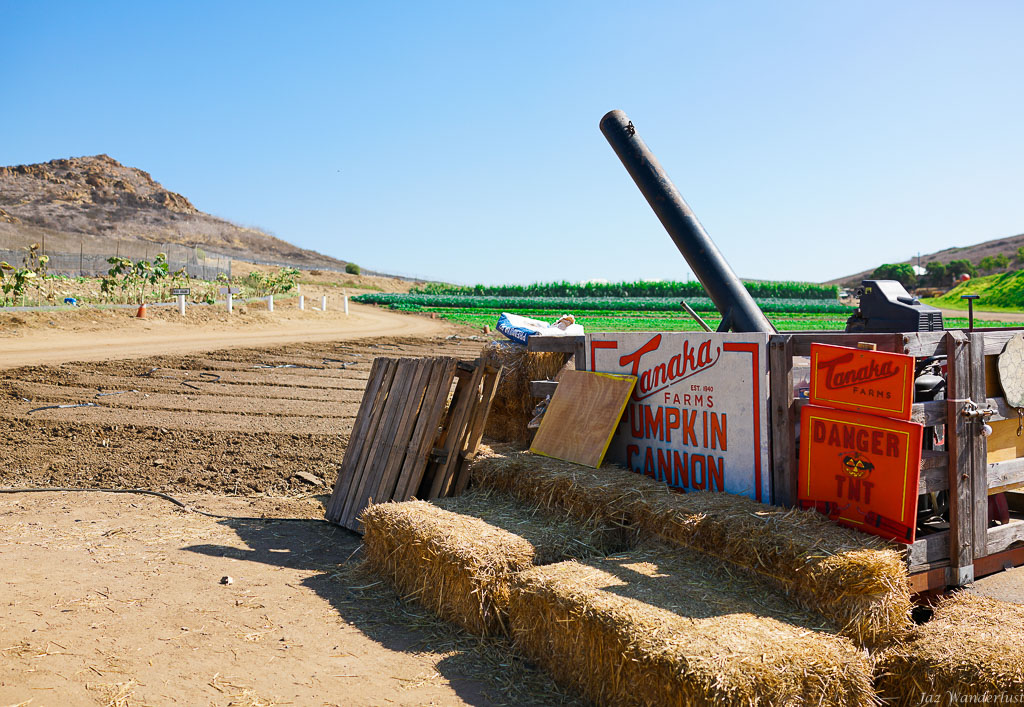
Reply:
x=867 y=381
x=861 y=470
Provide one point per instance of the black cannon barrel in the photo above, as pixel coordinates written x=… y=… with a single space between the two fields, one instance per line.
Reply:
x=731 y=298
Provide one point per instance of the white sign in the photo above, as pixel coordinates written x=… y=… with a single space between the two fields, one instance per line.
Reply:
x=698 y=417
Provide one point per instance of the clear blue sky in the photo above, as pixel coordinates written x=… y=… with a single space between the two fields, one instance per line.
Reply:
x=460 y=141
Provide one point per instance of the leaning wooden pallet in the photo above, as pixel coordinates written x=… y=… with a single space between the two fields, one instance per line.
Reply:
x=408 y=441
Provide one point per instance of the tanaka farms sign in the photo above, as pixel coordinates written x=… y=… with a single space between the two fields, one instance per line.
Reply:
x=866 y=381
x=698 y=416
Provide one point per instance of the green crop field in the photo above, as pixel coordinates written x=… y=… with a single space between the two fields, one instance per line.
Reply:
x=627 y=311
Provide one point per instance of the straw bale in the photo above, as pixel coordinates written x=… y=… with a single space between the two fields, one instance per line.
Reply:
x=857 y=581
x=971 y=652
x=672 y=627
x=456 y=560
x=513 y=405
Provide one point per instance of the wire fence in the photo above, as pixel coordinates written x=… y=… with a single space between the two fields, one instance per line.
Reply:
x=197 y=263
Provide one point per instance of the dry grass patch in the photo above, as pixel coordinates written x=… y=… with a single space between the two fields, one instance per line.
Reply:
x=855 y=580
x=658 y=627
x=972 y=651
x=513 y=406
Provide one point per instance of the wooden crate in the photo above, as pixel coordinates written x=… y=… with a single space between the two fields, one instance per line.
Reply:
x=408 y=441
x=970 y=548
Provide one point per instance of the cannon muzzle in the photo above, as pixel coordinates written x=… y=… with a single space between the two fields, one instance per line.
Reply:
x=739 y=311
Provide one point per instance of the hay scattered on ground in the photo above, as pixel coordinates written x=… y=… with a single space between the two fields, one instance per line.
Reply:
x=857 y=581
x=458 y=565
x=513 y=405
x=971 y=652
x=676 y=628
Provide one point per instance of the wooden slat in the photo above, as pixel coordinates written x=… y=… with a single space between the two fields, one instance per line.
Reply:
x=580 y=354
x=884 y=342
x=476 y=432
x=1003 y=536
x=995 y=339
x=961 y=535
x=929 y=549
x=356 y=441
x=784 y=469
x=559 y=344
x=1005 y=476
x=379 y=420
x=979 y=453
x=466 y=393
x=425 y=434
x=930 y=580
x=399 y=444
x=582 y=416
x=1003 y=410
x=934 y=479
x=464 y=431
x=926 y=343
x=541 y=389
x=929 y=414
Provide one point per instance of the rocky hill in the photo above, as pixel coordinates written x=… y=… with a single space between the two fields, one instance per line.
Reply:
x=1006 y=246
x=91 y=202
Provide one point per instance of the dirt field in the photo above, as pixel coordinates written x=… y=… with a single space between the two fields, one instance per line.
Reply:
x=117 y=599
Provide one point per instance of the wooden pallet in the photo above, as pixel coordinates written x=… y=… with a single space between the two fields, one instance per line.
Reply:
x=408 y=441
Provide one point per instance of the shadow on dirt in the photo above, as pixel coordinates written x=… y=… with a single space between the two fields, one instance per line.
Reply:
x=481 y=671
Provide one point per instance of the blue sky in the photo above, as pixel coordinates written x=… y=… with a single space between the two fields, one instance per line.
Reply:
x=460 y=141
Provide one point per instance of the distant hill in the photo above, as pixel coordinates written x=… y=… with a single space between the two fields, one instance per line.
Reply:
x=92 y=203
x=1006 y=246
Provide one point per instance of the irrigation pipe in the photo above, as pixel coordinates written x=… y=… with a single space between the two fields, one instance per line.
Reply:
x=157 y=494
x=62 y=407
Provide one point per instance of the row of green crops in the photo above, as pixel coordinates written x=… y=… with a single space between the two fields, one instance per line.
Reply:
x=412 y=302
x=766 y=289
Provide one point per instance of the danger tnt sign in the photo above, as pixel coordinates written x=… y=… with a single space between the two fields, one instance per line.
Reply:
x=861 y=470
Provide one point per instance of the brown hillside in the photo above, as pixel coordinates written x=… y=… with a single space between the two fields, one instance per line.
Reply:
x=93 y=202
x=1007 y=246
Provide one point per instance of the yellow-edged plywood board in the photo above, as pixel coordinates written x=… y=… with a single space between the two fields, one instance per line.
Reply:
x=582 y=416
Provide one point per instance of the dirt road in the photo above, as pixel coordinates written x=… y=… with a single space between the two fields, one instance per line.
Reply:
x=118 y=600
x=33 y=338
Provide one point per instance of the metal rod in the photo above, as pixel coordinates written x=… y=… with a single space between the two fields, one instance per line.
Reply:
x=704 y=258
x=689 y=310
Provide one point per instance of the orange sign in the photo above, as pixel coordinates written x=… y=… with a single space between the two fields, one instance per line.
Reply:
x=861 y=470
x=876 y=382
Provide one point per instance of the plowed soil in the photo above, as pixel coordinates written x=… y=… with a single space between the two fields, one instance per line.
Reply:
x=236 y=421
x=116 y=599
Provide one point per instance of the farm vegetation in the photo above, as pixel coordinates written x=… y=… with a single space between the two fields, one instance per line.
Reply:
x=641 y=288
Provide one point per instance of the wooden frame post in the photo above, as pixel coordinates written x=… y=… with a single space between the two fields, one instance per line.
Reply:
x=979 y=448
x=961 y=466
x=785 y=476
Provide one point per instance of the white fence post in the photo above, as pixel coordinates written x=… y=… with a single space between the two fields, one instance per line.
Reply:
x=345 y=301
x=229 y=303
x=181 y=305
x=270 y=303
x=302 y=302
x=323 y=303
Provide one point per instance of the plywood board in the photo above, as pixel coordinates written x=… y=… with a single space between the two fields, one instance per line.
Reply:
x=1004 y=444
x=582 y=416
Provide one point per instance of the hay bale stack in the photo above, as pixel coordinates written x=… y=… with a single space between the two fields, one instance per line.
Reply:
x=674 y=628
x=857 y=581
x=971 y=652
x=458 y=565
x=513 y=405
